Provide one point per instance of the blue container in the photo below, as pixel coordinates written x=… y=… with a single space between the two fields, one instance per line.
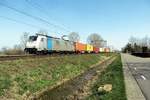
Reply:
x=49 y=43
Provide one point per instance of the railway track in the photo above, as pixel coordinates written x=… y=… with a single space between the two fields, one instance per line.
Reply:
x=16 y=57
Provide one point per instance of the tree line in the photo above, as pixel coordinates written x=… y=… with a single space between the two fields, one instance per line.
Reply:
x=137 y=45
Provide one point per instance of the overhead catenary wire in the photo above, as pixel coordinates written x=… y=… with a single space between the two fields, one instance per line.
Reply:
x=21 y=22
x=37 y=6
x=17 y=21
x=30 y=15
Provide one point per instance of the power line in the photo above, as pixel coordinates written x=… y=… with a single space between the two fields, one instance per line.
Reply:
x=21 y=22
x=29 y=15
x=14 y=20
x=36 y=5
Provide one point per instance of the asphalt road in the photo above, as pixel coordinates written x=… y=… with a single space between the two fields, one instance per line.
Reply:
x=140 y=69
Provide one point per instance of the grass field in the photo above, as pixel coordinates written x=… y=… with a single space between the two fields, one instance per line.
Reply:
x=112 y=75
x=19 y=77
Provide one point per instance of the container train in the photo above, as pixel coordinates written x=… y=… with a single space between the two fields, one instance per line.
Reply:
x=43 y=44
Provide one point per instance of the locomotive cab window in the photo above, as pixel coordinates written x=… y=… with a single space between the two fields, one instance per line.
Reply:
x=32 y=38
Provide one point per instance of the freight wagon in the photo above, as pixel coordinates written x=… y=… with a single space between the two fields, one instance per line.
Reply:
x=80 y=47
x=95 y=50
x=106 y=50
x=89 y=48
x=101 y=49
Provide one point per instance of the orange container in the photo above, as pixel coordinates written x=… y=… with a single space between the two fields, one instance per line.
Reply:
x=80 y=47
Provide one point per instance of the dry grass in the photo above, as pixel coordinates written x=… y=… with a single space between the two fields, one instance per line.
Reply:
x=24 y=77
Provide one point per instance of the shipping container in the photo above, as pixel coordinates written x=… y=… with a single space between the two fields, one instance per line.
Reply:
x=101 y=49
x=96 y=50
x=80 y=47
x=89 y=48
x=106 y=50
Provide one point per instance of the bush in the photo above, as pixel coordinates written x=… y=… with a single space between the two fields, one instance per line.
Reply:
x=12 y=51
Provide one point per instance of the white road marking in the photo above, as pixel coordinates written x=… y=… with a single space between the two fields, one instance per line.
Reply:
x=142 y=76
x=134 y=68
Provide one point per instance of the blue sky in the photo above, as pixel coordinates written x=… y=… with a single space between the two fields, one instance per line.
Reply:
x=114 y=20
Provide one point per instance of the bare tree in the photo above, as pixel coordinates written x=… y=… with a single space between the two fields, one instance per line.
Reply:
x=138 y=44
x=74 y=36
x=95 y=39
x=133 y=40
x=17 y=47
x=145 y=41
x=24 y=39
x=148 y=42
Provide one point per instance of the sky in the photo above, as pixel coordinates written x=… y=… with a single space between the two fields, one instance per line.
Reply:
x=115 y=20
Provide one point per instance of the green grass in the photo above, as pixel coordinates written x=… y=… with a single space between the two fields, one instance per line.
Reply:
x=5 y=82
x=112 y=75
x=35 y=74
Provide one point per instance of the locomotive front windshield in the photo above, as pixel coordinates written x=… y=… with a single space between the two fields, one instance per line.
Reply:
x=32 y=38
